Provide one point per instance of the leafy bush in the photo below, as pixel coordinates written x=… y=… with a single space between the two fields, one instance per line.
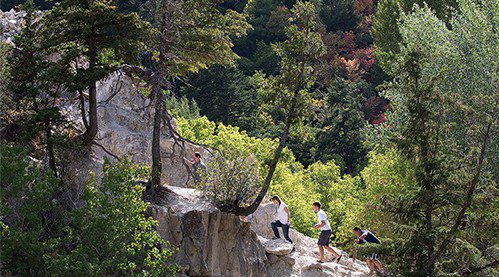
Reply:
x=296 y=186
x=232 y=181
x=108 y=236
x=111 y=233
x=31 y=220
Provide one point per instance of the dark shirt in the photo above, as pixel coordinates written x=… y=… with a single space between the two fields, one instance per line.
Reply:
x=371 y=238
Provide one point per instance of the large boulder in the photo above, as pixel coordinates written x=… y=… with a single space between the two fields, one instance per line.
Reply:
x=210 y=242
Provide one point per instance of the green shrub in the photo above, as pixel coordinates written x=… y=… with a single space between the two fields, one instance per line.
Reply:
x=31 y=219
x=109 y=235
x=232 y=181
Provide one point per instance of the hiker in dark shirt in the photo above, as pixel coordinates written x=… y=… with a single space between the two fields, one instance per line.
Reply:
x=196 y=164
x=365 y=236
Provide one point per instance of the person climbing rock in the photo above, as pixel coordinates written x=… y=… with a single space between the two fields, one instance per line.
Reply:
x=283 y=219
x=325 y=227
x=366 y=236
x=196 y=163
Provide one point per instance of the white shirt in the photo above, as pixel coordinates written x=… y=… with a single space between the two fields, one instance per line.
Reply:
x=282 y=216
x=322 y=216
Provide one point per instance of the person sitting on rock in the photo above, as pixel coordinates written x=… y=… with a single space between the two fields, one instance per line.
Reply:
x=283 y=219
x=364 y=236
x=326 y=232
x=196 y=163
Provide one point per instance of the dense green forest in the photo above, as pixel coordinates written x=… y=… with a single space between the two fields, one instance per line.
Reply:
x=385 y=111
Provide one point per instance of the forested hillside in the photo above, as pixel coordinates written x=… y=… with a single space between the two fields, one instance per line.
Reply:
x=384 y=111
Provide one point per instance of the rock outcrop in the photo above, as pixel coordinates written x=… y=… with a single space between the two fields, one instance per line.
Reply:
x=214 y=243
x=302 y=262
x=125 y=124
x=210 y=242
x=125 y=130
x=10 y=24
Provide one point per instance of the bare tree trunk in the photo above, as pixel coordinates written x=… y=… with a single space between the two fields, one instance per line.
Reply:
x=91 y=131
x=273 y=165
x=157 y=166
x=50 y=148
x=83 y=110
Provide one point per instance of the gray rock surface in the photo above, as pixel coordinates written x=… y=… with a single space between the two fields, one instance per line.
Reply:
x=125 y=130
x=278 y=247
x=302 y=262
x=125 y=124
x=10 y=25
x=211 y=243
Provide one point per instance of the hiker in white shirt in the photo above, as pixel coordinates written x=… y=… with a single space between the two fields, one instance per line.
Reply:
x=326 y=232
x=283 y=219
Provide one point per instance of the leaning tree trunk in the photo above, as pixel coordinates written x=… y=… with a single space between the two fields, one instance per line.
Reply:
x=245 y=211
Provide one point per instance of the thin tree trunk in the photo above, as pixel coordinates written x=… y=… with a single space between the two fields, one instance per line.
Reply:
x=469 y=197
x=273 y=165
x=158 y=86
x=156 y=139
x=429 y=194
x=91 y=131
x=83 y=109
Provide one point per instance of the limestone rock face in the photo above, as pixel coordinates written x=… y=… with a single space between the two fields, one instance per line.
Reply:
x=125 y=119
x=125 y=130
x=210 y=242
x=10 y=24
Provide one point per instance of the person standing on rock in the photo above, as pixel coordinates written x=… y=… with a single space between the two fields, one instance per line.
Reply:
x=364 y=236
x=196 y=163
x=326 y=232
x=283 y=219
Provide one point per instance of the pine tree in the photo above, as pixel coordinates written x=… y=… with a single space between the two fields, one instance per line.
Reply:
x=33 y=86
x=92 y=39
x=445 y=99
x=192 y=35
x=340 y=138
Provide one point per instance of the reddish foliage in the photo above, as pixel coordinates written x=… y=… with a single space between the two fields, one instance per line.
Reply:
x=364 y=7
x=365 y=57
x=374 y=109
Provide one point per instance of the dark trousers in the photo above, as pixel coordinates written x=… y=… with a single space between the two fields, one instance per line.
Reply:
x=285 y=230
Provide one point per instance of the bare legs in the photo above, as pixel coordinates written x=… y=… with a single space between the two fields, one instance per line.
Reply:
x=321 y=252
x=372 y=262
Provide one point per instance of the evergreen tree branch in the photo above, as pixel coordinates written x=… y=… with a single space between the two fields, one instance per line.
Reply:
x=469 y=197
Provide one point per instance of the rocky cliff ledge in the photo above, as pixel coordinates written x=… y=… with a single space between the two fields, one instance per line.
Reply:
x=210 y=242
x=214 y=243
